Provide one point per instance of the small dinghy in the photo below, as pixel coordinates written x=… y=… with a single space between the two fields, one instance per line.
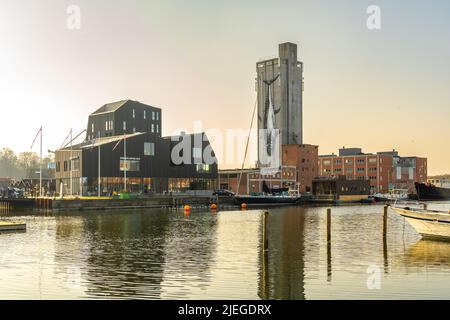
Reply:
x=431 y=224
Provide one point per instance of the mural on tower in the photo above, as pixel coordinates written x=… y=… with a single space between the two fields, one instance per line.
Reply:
x=269 y=134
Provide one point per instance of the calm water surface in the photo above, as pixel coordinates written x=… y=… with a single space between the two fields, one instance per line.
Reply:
x=162 y=254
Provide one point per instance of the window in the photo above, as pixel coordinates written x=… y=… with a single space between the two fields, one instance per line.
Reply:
x=106 y=125
x=326 y=171
x=92 y=128
x=360 y=169
x=360 y=161
x=134 y=113
x=134 y=130
x=58 y=166
x=124 y=125
x=202 y=168
x=65 y=166
x=157 y=115
x=338 y=161
x=373 y=160
x=326 y=162
x=153 y=128
x=349 y=169
x=348 y=161
x=130 y=164
x=337 y=170
x=149 y=149
x=153 y=115
x=145 y=114
x=157 y=128
x=76 y=164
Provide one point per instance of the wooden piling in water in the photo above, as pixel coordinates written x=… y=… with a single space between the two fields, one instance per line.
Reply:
x=266 y=231
x=329 y=225
x=385 y=215
x=329 y=245
x=385 y=249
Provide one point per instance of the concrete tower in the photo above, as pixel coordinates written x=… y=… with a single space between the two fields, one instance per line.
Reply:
x=283 y=78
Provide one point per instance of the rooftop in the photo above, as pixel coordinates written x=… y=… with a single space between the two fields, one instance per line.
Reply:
x=111 y=107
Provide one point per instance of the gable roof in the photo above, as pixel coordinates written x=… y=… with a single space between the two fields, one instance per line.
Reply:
x=110 y=107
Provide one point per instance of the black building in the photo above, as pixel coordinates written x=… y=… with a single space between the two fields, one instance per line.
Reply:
x=339 y=187
x=123 y=117
x=138 y=162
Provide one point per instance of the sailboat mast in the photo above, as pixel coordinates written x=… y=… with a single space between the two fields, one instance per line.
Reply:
x=246 y=146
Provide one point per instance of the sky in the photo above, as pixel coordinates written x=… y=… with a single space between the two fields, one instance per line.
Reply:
x=375 y=89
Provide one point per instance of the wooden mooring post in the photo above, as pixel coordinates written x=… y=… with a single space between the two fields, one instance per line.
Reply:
x=385 y=249
x=329 y=270
x=266 y=231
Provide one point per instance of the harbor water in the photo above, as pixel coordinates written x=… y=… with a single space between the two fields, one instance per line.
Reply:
x=166 y=254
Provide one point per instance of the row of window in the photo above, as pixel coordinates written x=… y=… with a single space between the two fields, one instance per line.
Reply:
x=155 y=115
x=350 y=161
x=346 y=170
x=153 y=128
x=67 y=166
x=131 y=164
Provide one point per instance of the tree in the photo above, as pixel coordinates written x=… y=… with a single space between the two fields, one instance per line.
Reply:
x=8 y=163
x=29 y=164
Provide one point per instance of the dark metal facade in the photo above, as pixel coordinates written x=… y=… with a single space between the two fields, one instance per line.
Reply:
x=109 y=120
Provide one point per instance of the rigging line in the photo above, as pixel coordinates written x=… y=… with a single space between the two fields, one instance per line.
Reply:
x=62 y=145
x=74 y=138
x=246 y=145
x=34 y=140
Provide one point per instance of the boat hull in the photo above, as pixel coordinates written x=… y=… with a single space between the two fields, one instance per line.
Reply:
x=431 y=193
x=428 y=225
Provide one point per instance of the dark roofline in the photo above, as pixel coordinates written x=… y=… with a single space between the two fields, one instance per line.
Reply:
x=117 y=105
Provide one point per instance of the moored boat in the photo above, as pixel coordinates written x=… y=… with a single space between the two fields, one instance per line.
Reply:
x=431 y=224
x=429 y=192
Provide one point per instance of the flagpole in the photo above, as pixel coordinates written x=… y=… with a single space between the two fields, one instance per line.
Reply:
x=40 y=168
x=125 y=162
x=99 y=176
x=71 y=155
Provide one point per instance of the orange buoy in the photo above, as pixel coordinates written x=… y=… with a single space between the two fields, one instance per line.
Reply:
x=187 y=208
x=213 y=206
x=244 y=206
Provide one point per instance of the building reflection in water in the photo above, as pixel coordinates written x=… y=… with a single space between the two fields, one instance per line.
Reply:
x=131 y=254
x=282 y=268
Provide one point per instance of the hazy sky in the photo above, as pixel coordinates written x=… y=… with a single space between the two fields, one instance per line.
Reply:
x=377 y=90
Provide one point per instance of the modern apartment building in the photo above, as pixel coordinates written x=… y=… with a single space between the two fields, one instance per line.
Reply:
x=139 y=159
x=385 y=170
x=123 y=117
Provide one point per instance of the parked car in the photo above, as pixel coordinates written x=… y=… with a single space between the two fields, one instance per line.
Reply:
x=15 y=193
x=223 y=193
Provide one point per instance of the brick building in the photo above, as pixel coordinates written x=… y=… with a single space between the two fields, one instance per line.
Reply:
x=297 y=172
x=385 y=170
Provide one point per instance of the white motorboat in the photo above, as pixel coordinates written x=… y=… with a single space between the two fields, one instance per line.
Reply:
x=431 y=224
